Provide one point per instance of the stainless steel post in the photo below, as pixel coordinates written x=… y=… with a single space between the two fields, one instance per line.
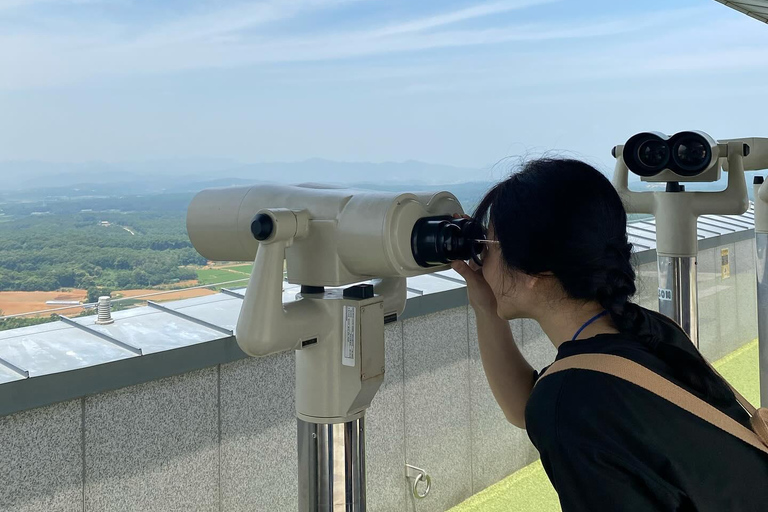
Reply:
x=761 y=242
x=332 y=466
x=678 y=297
x=761 y=264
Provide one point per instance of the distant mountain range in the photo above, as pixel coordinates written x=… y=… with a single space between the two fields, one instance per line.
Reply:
x=192 y=174
x=31 y=180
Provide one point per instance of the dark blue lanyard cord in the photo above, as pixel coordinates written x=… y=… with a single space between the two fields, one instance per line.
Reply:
x=589 y=322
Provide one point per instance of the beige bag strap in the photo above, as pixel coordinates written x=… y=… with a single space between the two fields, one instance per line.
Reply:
x=641 y=376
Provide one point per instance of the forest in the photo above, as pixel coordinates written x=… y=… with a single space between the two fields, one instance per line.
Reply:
x=139 y=242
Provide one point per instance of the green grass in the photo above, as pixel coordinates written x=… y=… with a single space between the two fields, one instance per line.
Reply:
x=525 y=490
x=529 y=489
x=741 y=369
x=246 y=269
x=211 y=276
x=129 y=303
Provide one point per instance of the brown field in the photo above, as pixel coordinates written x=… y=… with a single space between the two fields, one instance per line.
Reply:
x=184 y=294
x=12 y=303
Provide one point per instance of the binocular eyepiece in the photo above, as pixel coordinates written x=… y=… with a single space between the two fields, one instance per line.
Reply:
x=686 y=154
x=440 y=240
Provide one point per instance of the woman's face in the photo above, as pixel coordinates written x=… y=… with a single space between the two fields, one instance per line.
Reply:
x=515 y=291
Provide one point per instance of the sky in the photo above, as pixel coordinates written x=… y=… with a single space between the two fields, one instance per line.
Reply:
x=464 y=83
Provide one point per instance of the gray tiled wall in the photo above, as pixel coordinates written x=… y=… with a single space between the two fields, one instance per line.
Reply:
x=385 y=431
x=727 y=310
x=743 y=272
x=41 y=465
x=154 y=446
x=709 y=304
x=258 y=435
x=224 y=438
x=498 y=447
x=437 y=431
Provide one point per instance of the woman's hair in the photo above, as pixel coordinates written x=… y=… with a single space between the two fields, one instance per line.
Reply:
x=563 y=216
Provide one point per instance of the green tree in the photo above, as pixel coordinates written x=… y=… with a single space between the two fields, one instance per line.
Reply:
x=95 y=293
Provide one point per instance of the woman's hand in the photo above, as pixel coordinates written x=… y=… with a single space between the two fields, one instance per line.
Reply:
x=480 y=294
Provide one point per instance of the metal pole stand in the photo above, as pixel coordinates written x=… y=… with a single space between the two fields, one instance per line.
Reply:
x=761 y=264
x=678 y=292
x=332 y=466
x=336 y=380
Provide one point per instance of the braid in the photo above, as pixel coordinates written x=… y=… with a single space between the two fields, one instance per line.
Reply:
x=614 y=284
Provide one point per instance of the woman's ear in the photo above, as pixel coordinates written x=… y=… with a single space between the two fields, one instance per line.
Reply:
x=530 y=281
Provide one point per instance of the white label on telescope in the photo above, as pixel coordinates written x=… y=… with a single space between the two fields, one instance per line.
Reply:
x=348 y=350
x=665 y=294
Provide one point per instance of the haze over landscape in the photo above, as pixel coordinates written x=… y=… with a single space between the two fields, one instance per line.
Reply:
x=115 y=112
x=444 y=82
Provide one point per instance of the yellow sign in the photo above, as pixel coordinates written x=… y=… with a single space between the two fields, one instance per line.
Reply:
x=725 y=265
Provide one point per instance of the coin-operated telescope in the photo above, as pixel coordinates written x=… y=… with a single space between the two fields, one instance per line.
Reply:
x=327 y=238
x=684 y=157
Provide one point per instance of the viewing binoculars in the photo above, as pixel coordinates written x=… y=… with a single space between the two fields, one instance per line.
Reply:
x=335 y=236
x=684 y=156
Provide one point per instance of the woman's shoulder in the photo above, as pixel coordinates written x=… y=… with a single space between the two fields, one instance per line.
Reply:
x=555 y=397
x=582 y=406
x=595 y=404
x=588 y=402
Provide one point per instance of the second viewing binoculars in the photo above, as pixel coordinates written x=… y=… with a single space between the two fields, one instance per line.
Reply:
x=684 y=156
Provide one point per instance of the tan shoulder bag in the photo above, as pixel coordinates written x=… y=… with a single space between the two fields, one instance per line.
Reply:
x=641 y=376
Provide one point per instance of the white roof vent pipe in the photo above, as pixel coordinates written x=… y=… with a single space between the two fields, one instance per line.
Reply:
x=104 y=310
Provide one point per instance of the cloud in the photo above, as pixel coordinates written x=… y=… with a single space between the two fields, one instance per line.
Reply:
x=15 y=4
x=225 y=36
x=231 y=36
x=457 y=16
x=231 y=19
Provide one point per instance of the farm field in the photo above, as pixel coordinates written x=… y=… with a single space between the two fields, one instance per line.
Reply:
x=247 y=268
x=223 y=275
x=12 y=303
x=170 y=295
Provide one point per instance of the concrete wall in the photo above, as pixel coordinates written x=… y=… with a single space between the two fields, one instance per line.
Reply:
x=224 y=438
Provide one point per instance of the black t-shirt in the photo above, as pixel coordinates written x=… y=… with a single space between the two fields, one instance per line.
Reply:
x=609 y=445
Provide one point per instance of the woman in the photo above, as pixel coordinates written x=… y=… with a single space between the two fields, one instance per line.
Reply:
x=558 y=253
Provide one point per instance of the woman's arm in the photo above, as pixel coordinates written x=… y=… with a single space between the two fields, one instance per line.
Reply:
x=508 y=373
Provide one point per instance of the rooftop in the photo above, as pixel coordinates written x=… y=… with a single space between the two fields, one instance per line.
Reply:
x=74 y=357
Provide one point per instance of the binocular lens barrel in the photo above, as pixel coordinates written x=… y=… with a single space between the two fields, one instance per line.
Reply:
x=440 y=240
x=653 y=154
x=686 y=153
x=646 y=154
x=691 y=154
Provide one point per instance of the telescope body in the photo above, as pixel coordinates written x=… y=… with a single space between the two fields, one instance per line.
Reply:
x=352 y=235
